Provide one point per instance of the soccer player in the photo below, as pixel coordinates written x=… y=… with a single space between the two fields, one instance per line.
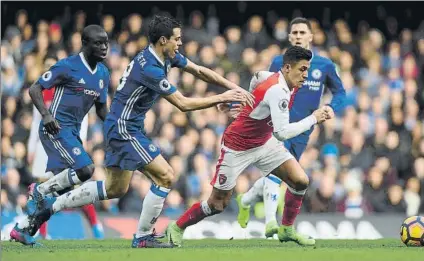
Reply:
x=128 y=149
x=303 y=101
x=79 y=81
x=253 y=138
x=38 y=157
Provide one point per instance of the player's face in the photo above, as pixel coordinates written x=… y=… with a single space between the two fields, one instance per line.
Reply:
x=300 y=35
x=173 y=43
x=98 y=45
x=298 y=73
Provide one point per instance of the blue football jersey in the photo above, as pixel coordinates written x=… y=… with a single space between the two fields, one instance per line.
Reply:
x=322 y=73
x=77 y=88
x=141 y=85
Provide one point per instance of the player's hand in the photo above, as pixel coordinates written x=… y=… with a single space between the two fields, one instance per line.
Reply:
x=235 y=110
x=50 y=124
x=321 y=115
x=330 y=111
x=30 y=158
x=250 y=99
x=236 y=95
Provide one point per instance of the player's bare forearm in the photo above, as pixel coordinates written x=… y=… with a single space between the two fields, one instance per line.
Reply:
x=191 y=104
x=36 y=93
x=101 y=110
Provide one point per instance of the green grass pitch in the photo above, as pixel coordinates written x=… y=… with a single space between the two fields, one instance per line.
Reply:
x=214 y=250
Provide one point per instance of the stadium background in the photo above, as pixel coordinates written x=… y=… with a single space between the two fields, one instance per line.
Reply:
x=369 y=160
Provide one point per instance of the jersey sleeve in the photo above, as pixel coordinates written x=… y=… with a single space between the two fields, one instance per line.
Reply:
x=278 y=101
x=154 y=78
x=276 y=64
x=335 y=85
x=179 y=61
x=57 y=74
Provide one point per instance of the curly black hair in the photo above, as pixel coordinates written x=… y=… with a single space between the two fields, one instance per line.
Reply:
x=162 y=26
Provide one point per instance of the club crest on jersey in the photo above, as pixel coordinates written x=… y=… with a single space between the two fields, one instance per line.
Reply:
x=46 y=76
x=76 y=151
x=152 y=148
x=164 y=85
x=101 y=84
x=222 y=179
x=316 y=74
x=283 y=105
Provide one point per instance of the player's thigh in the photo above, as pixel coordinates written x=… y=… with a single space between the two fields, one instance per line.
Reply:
x=271 y=156
x=292 y=173
x=229 y=166
x=117 y=181
x=159 y=171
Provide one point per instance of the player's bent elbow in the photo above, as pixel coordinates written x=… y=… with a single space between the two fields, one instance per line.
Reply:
x=281 y=135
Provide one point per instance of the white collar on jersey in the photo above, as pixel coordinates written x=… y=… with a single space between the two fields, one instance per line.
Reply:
x=84 y=61
x=152 y=50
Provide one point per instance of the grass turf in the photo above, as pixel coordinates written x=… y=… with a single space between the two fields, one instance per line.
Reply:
x=214 y=250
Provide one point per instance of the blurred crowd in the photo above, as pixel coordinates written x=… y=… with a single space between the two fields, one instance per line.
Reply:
x=369 y=159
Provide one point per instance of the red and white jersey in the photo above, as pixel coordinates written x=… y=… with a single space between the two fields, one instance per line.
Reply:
x=270 y=113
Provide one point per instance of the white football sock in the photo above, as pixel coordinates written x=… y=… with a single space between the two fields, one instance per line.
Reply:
x=271 y=194
x=63 y=180
x=87 y=193
x=152 y=207
x=24 y=223
x=254 y=193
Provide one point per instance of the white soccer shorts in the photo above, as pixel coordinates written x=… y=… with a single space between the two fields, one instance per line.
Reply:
x=232 y=163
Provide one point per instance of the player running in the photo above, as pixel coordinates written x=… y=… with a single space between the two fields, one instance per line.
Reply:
x=128 y=149
x=80 y=81
x=303 y=101
x=37 y=156
x=253 y=138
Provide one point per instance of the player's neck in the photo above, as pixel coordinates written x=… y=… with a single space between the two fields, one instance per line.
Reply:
x=159 y=52
x=90 y=61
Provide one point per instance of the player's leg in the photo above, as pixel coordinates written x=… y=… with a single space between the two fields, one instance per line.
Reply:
x=230 y=165
x=271 y=190
x=278 y=160
x=162 y=176
x=217 y=202
x=65 y=153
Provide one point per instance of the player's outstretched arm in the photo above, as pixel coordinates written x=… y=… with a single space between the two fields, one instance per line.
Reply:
x=191 y=104
x=210 y=76
x=101 y=110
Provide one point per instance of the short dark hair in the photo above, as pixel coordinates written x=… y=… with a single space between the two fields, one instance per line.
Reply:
x=294 y=54
x=88 y=31
x=162 y=26
x=300 y=20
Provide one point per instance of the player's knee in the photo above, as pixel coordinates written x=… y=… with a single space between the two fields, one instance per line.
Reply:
x=302 y=182
x=166 y=178
x=85 y=173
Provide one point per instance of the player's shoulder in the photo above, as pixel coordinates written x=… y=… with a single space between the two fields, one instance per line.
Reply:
x=322 y=60
x=278 y=59
x=67 y=62
x=103 y=68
